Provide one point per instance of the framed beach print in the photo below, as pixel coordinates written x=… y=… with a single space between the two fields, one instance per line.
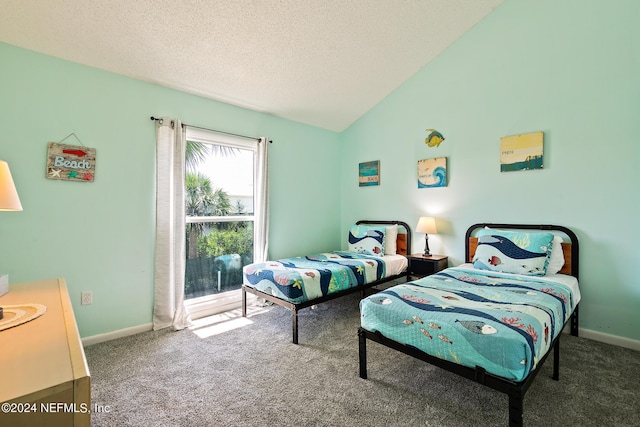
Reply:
x=432 y=172
x=369 y=173
x=521 y=152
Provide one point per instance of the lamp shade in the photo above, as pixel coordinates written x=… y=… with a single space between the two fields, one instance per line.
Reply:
x=427 y=225
x=9 y=200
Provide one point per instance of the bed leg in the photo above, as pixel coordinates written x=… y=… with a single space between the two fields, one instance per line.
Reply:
x=574 y=322
x=294 y=324
x=515 y=410
x=244 y=302
x=556 y=360
x=362 y=353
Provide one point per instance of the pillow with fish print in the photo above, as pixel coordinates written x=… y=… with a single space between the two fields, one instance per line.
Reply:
x=367 y=240
x=513 y=252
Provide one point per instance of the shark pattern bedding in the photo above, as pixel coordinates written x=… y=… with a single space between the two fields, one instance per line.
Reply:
x=500 y=321
x=310 y=277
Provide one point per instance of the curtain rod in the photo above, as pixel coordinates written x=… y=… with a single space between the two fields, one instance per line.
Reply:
x=214 y=130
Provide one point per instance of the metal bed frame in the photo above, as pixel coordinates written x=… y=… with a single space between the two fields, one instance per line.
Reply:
x=295 y=307
x=515 y=390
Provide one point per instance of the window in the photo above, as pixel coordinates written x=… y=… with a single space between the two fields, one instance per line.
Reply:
x=219 y=200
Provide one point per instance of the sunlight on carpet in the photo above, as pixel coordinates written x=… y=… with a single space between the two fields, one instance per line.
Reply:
x=223 y=322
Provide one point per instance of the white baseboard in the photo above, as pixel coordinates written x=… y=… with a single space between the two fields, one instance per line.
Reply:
x=95 y=339
x=609 y=339
x=583 y=333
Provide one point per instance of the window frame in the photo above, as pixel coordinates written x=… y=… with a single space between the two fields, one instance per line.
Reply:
x=208 y=305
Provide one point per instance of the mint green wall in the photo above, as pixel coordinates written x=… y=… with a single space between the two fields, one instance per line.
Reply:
x=568 y=68
x=100 y=235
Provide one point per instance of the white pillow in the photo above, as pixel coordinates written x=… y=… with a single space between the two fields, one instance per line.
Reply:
x=557 y=256
x=391 y=238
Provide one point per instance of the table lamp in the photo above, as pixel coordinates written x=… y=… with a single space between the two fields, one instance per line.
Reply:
x=426 y=225
x=9 y=201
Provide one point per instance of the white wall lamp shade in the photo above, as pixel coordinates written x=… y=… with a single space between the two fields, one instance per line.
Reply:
x=9 y=200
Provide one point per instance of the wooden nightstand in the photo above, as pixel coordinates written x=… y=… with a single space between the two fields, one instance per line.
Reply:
x=421 y=266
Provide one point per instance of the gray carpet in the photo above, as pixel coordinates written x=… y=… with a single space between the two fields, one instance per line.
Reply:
x=255 y=376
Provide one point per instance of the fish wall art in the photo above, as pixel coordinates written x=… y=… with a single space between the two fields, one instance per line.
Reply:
x=434 y=138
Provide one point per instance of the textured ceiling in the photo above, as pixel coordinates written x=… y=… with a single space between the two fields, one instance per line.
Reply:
x=320 y=62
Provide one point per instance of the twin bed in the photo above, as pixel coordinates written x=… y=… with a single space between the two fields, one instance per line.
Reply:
x=493 y=320
x=376 y=256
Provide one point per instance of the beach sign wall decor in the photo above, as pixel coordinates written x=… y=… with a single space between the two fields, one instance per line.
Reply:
x=71 y=162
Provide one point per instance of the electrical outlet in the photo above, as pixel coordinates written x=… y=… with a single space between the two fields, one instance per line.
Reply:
x=87 y=298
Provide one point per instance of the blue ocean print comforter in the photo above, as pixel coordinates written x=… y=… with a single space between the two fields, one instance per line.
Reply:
x=306 y=278
x=501 y=322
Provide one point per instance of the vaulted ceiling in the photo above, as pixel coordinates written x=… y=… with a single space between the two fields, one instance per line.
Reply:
x=320 y=62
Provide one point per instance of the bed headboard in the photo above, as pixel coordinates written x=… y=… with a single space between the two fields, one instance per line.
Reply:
x=403 y=241
x=570 y=249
